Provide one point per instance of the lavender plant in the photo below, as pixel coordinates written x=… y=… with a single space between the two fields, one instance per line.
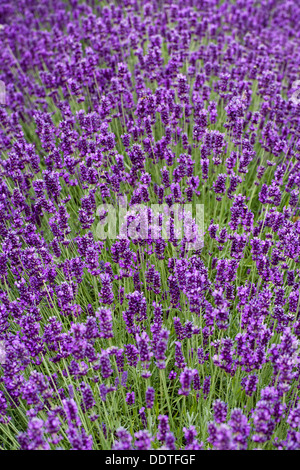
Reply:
x=138 y=342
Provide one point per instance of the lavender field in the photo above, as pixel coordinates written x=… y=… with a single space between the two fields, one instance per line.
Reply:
x=149 y=225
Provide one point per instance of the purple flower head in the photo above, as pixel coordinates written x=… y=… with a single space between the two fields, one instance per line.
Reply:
x=123 y=441
x=150 y=395
x=185 y=379
x=220 y=411
x=105 y=322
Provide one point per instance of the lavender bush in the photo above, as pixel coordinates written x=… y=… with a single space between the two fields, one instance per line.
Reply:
x=141 y=343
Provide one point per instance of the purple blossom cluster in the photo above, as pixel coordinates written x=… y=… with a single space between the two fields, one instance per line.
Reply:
x=138 y=342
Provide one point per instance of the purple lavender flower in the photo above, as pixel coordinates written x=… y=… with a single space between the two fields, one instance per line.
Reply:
x=150 y=395
x=185 y=379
